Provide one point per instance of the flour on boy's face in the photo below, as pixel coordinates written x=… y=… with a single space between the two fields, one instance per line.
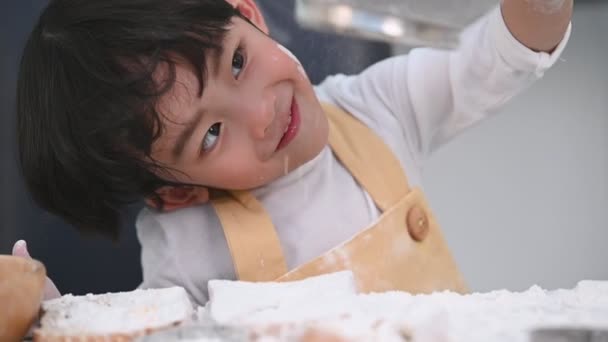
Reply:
x=258 y=117
x=290 y=54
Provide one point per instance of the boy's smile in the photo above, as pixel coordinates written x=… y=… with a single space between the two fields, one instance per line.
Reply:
x=258 y=117
x=292 y=126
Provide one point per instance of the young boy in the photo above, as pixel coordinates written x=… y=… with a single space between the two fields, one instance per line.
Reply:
x=192 y=106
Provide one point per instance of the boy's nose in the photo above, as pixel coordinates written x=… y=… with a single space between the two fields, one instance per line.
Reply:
x=262 y=118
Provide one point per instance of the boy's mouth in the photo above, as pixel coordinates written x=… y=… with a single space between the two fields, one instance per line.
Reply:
x=292 y=127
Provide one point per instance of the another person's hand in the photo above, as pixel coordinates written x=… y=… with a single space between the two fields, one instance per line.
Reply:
x=50 y=290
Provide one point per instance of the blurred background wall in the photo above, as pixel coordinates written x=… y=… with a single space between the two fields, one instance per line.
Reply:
x=523 y=197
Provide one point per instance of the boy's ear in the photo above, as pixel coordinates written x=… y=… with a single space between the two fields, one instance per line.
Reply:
x=251 y=11
x=177 y=197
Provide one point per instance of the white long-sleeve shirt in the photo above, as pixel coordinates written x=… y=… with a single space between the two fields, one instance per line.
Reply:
x=415 y=103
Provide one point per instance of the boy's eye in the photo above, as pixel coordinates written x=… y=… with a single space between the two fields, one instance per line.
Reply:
x=238 y=62
x=211 y=137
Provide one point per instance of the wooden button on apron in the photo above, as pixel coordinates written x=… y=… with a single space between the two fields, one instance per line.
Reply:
x=417 y=223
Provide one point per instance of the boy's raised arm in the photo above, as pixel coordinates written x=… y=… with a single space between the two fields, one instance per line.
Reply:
x=436 y=94
x=538 y=24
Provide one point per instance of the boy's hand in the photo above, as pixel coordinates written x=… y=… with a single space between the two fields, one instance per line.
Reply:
x=538 y=24
x=50 y=290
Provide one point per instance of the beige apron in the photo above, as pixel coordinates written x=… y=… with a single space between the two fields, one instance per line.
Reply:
x=404 y=250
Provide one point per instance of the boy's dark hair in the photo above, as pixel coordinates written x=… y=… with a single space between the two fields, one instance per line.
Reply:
x=86 y=99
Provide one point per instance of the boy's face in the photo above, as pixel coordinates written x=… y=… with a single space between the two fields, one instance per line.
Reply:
x=257 y=120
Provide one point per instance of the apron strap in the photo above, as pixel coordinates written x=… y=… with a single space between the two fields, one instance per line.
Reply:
x=367 y=157
x=253 y=242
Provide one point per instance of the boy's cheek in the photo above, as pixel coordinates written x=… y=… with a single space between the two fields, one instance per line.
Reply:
x=294 y=58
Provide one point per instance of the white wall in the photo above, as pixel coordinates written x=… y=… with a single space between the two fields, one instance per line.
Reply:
x=523 y=197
